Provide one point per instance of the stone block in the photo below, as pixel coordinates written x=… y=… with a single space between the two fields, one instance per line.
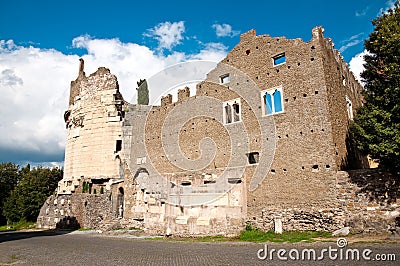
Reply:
x=181 y=219
x=203 y=221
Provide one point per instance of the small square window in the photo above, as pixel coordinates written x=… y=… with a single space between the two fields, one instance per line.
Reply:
x=253 y=157
x=279 y=59
x=224 y=78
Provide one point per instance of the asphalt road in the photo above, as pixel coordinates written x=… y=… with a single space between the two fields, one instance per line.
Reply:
x=85 y=248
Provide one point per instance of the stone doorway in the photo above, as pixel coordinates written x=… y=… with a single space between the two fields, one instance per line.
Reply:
x=120 y=202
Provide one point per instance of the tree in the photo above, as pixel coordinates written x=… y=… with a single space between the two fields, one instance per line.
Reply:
x=9 y=178
x=30 y=193
x=376 y=126
x=143 y=92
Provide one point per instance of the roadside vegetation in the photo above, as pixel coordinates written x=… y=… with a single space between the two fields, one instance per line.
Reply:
x=23 y=191
x=255 y=235
x=21 y=225
x=376 y=126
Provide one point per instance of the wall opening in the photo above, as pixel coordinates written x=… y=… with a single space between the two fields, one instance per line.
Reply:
x=253 y=157
x=224 y=78
x=234 y=180
x=118 y=145
x=120 y=202
x=186 y=183
x=349 y=106
x=272 y=101
x=232 y=111
x=236 y=112
x=279 y=59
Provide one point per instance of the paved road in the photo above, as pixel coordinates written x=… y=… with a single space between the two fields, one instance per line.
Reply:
x=80 y=248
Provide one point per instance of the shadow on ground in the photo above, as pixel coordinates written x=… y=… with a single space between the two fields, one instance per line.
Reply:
x=17 y=235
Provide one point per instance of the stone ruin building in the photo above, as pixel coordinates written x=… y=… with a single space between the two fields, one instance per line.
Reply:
x=264 y=141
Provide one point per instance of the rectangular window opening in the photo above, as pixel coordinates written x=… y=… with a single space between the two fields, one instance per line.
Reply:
x=234 y=180
x=236 y=113
x=186 y=183
x=118 y=145
x=253 y=157
x=349 y=106
x=224 y=78
x=279 y=59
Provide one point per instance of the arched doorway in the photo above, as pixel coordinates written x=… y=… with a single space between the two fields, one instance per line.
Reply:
x=120 y=202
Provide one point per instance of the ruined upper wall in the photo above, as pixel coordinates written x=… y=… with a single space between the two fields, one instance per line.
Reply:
x=100 y=80
x=94 y=129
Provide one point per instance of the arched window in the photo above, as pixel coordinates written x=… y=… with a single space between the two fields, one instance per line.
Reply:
x=232 y=111
x=278 y=101
x=272 y=101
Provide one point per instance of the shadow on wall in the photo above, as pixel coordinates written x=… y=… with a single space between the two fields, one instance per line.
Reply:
x=68 y=222
x=353 y=159
x=378 y=186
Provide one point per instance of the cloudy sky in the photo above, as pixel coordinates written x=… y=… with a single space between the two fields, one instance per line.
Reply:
x=41 y=42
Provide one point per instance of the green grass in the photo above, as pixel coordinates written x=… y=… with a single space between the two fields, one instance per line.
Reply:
x=254 y=235
x=85 y=229
x=18 y=226
x=6 y=228
x=210 y=239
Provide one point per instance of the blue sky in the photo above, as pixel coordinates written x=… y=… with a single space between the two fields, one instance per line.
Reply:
x=41 y=41
x=54 y=24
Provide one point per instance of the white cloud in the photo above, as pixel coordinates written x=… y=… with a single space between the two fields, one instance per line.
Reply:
x=390 y=4
x=212 y=52
x=8 y=78
x=34 y=85
x=35 y=88
x=352 y=41
x=167 y=34
x=356 y=65
x=362 y=12
x=224 y=30
x=348 y=45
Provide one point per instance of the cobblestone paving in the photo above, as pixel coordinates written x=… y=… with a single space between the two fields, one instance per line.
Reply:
x=79 y=248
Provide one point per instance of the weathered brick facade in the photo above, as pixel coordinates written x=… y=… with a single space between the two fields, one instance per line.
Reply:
x=265 y=136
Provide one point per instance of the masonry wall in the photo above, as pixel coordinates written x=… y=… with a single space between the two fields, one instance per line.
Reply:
x=302 y=174
x=76 y=211
x=368 y=202
x=185 y=168
x=153 y=171
x=93 y=122
x=343 y=89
